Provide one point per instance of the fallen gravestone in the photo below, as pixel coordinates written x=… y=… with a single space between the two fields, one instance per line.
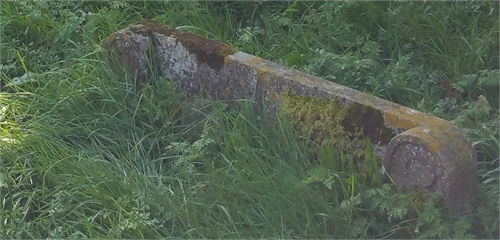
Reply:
x=418 y=150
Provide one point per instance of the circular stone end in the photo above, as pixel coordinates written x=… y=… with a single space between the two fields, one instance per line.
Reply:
x=434 y=159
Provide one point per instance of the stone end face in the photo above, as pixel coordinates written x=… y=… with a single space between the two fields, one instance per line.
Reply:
x=210 y=52
x=130 y=51
x=435 y=158
x=419 y=151
x=195 y=63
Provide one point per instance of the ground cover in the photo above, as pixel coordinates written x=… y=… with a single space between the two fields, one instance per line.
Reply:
x=83 y=154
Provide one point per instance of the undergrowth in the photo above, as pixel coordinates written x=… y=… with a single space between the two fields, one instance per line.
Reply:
x=86 y=155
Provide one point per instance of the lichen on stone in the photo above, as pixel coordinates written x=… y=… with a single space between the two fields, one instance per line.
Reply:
x=321 y=120
x=210 y=52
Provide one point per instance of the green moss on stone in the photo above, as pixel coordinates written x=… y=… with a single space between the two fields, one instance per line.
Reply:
x=321 y=121
x=328 y=122
x=370 y=120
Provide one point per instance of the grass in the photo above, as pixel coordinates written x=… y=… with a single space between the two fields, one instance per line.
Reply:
x=85 y=155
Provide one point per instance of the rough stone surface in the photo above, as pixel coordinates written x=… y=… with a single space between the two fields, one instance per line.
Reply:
x=133 y=51
x=434 y=158
x=419 y=150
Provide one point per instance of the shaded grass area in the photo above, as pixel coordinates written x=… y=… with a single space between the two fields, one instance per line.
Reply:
x=86 y=155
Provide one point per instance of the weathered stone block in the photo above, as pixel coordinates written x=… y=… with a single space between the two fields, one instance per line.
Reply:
x=419 y=150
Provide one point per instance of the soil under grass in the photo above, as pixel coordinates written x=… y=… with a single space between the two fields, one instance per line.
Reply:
x=84 y=154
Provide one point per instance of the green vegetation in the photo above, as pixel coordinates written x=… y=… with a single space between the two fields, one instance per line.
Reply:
x=86 y=155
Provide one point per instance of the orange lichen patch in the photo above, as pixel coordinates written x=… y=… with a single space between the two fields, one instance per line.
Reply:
x=388 y=109
x=273 y=96
x=435 y=137
x=431 y=141
x=110 y=44
x=403 y=119
x=228 y=60
x=264 y=77
x=255 y=62
x=397 y=121
x=262 y=72
x=211 y=52
x=110 y=38
x=242 y=83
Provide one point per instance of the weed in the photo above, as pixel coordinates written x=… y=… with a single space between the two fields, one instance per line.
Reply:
x=85 y=154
